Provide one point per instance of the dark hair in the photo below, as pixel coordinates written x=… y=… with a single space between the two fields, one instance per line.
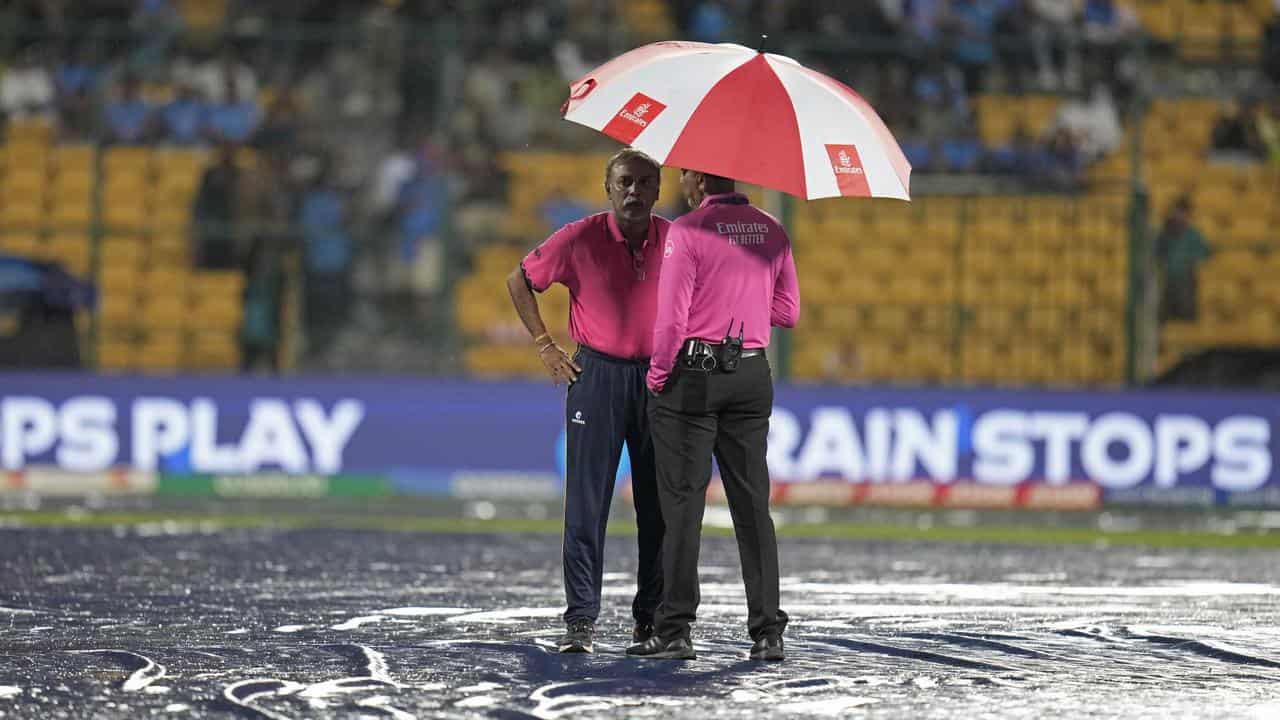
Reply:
x=718 y=182
x=630 y=153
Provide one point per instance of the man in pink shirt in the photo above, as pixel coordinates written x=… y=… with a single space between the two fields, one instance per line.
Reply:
x=728 y=277
x=610 y=263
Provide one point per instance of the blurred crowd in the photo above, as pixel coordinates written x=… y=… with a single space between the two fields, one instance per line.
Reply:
x=378 y=124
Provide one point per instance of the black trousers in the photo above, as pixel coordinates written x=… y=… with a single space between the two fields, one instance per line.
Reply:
x=605 y=407
x=698 y=414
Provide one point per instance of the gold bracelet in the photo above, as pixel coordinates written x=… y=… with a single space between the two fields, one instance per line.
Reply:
x=544 y=347
x=540 y=338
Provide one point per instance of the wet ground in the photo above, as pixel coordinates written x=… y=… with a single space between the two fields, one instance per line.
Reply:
x=178 y=621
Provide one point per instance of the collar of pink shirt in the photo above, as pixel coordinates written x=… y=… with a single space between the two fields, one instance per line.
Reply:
x=733 y=198
x=615 y=231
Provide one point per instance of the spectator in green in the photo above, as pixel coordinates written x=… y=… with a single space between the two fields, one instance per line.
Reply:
x=1180 y=248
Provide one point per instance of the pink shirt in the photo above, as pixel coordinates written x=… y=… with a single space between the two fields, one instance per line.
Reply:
x=612 y=293
x=725 y=261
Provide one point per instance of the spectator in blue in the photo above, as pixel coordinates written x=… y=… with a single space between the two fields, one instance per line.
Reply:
x=963 y=154
x=923 y=18
x=1062 y=166
x=709 y=22
x=75 y=80
x=559 y=209
x=182 y=119
x=157 y=23
x=972 y=23
x=327 y=259
x=941 y=104
x=234 y=119
x=128 y=117
x=1021 y=157
x=421 y=203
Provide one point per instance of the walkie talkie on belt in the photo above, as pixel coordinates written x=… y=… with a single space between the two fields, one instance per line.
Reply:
x=731 y=349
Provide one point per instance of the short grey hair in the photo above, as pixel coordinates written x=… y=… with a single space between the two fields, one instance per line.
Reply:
x=630 y=153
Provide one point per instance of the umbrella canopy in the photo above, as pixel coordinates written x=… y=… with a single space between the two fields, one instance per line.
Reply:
x=751 y=116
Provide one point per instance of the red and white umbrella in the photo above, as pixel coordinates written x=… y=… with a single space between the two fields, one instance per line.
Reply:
x=752 y=116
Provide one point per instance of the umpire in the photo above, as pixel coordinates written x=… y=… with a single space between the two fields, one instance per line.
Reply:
x=729 y=276
x=610 y=263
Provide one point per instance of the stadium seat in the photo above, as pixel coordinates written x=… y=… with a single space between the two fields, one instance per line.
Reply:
x=74 y=159
x=126 y=161
x=125 y=215
x=123 y=251
x=115 y=355
x=71 y=213
x=118 y=313
x=219 y=350
x=21 y=216
x=161 y=352
x=73 y=252
x=119 y=280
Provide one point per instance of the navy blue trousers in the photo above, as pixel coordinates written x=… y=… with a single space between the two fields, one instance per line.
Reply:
x=604 y=408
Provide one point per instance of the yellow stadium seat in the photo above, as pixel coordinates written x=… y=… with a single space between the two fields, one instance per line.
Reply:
x=170 y=161
x=164 y=313
x=217 y=315
x=73 y=159
x=213 y=351
x=119 y=161
x=127 y=188
x=21 y=243
x=21 y=216
x=119 y=313
x=29 y=131
x=219 y=284
x=170 y=218
x=31 y=158
x=125 y=216
x=115 y=355
x=24 y=185
x=166 y=282
x=73 y=252
x=123 y=251
x=121 y=280
x=71 y=213
x=162 y=352
x=170 y=251
x=77 y=184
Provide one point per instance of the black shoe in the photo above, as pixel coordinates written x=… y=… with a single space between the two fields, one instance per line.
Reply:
x=658 y=649
x=768 y=647
x=579 y=637
x=641 y=632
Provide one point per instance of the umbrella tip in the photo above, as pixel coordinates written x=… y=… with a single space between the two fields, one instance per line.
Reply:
x=763 y=38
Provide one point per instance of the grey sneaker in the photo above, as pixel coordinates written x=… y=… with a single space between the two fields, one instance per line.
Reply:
x=578 y=637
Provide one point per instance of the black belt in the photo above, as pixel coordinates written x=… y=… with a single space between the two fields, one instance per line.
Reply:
x=701 y=355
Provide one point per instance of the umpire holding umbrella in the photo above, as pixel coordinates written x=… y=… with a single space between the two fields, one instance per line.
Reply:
x=610 y=263
x=729 y=276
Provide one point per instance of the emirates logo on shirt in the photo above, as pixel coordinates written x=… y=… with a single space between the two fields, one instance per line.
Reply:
x=846 y=164
x=634 y=118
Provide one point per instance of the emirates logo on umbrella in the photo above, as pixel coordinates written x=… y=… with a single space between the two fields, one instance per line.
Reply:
x=637 y=114
x=847 y=166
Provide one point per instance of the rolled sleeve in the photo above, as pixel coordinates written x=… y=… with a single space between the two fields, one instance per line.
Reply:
x=785 y=309
x=675 y=292
x=552 y=261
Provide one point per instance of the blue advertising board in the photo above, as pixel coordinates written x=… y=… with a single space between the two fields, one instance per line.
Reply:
x=432 y=435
